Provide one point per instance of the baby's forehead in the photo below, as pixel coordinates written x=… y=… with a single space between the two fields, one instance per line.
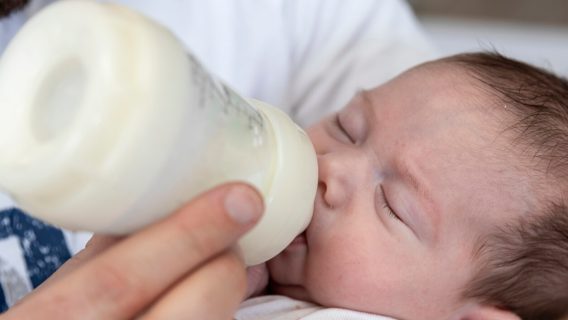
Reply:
x=497 y=121
x=446 y=90
x=446 y=71
x=442 y=82
x=474 y=89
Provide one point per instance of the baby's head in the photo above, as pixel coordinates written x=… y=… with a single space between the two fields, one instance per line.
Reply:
x=442 y=195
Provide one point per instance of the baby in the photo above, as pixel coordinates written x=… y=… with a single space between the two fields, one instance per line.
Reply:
x=442 y=195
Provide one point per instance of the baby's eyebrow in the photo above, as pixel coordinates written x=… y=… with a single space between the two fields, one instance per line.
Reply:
x=427 y=209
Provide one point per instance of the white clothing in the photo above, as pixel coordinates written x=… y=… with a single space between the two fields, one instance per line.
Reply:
x=306 y=57
x=284 y=308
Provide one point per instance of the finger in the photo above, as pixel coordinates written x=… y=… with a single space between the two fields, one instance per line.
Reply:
x=95 y=246
x=99 y=242
x=212 y=292
x=130 y=275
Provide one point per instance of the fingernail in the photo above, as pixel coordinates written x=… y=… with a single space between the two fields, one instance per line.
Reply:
x=243 y=206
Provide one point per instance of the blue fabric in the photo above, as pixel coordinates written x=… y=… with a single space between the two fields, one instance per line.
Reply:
x=3 y=304
x=43 y=245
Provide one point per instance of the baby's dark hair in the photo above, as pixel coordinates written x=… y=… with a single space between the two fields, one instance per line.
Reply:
x=524 y=266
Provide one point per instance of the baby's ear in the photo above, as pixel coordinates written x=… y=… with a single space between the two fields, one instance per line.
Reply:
x=484 y=312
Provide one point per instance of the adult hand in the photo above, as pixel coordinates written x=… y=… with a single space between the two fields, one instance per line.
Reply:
x=182 y=267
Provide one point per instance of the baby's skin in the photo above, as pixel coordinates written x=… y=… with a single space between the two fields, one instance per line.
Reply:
x=411 y=175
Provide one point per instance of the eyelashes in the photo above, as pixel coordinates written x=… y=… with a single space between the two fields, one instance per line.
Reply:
x=387 y=207
x=347 y=138
x=340 y=133
x=337 y=124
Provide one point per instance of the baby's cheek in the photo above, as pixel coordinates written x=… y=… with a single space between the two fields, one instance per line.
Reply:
x=351 y=277
x=332 y=277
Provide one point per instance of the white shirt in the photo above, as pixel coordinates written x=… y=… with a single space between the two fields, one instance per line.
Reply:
x=306 y=57
x=285 y=308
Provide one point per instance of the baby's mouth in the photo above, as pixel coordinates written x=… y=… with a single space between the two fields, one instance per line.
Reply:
x=299 y=240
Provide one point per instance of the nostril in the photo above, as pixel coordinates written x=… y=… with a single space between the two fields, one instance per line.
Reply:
x=326 y=198
x=321 y=190
x=322 y=187
x=333 y=179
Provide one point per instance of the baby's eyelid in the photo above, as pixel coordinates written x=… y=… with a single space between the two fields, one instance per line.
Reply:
x=388 y=207
x=340 y=126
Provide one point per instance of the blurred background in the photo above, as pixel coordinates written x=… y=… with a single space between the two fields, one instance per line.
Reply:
x=529 y=30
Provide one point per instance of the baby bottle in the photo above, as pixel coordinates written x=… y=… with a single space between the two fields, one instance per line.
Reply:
x=107 y=124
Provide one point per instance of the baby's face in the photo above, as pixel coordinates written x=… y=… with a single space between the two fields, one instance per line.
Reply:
x=411 y=175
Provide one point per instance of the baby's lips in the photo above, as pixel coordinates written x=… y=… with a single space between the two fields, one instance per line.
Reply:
x=257 y=280
x=299 y=240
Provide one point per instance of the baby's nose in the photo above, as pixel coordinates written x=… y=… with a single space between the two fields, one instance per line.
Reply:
x=335 y=182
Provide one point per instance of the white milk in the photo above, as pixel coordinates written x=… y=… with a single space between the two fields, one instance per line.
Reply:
x=107 y=125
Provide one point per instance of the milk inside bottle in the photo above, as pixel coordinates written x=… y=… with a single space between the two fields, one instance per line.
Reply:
x=108 y=124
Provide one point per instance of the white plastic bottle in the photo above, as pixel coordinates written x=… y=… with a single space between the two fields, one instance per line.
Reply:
x=108 y=124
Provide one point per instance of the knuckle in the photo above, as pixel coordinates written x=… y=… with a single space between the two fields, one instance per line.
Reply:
x=199 y=243
x=199 y=239
x=58 y=305
x=114 y=284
